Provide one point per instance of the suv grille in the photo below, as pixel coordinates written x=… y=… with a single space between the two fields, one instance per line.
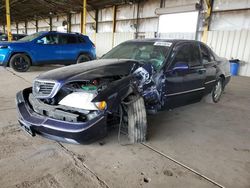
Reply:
x=45 y=89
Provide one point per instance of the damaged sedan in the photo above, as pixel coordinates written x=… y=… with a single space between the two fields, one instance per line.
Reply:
x=77 y=103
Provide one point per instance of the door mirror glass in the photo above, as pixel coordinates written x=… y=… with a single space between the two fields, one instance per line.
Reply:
x=39 y=41
x=180 y=66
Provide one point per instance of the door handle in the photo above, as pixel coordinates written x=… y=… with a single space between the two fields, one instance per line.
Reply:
x=201 y=71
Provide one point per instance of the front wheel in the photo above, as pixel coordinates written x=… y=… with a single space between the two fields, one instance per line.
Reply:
x=82 y=58
x=216 y=93
x=20 y=62
x=137 y=120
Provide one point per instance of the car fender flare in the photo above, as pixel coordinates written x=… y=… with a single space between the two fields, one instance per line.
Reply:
x=85 y=53
x=116 y=92
x=20 y=52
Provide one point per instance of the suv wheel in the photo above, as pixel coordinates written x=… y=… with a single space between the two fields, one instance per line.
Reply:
x=82 y=58
x=20 y=62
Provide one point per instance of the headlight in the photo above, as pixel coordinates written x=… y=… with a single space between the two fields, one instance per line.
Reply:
x=101 y=105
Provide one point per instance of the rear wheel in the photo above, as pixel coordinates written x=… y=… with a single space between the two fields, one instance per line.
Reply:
x=20 y=62
x=82 y=58
x=137 y=119
x=216 y=93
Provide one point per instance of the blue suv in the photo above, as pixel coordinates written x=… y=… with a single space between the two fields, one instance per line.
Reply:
x=46 y=47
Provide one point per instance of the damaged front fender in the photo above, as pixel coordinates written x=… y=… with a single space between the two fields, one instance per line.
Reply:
x=116 y=92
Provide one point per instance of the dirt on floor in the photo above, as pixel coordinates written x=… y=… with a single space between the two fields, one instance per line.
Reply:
x=215 y=159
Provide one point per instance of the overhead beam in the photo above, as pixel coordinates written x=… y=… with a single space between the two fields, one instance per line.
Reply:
x=7 y=5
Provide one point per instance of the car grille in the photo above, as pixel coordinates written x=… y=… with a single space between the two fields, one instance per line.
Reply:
x=45 y=89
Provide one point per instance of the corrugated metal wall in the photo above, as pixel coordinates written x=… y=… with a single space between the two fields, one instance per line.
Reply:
x=103 y=41
x=232 y=44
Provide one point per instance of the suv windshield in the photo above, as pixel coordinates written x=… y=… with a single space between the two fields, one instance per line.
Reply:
x=146 y=52
x=31 y=37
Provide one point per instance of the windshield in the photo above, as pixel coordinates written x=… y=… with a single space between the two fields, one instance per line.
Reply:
x=146 y=52
x=31 y=37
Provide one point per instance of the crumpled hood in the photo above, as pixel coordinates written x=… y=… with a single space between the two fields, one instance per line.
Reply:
x=90 y=70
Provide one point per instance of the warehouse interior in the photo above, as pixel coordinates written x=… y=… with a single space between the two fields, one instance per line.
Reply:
x=197 y=145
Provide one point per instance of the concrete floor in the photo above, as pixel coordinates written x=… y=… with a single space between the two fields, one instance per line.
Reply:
x=211 y=139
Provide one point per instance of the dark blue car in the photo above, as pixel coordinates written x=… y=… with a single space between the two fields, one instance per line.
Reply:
x=47 y=47
x=77 y=104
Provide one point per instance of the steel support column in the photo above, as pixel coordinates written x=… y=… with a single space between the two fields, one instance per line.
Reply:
x=113 y=26
x=209 y=4
x=84 y=16
x=7 y=5
x=17 y=28
x=25 y=27
x=36 y=25
x=69 y=22
x=50 y=24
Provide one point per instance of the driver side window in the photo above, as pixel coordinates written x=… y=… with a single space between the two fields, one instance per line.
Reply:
x=205 y=55
x=187 y=54
x=50 y=39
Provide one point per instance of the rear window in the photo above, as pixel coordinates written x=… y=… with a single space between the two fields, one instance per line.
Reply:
x=68 y=39
x=81 y=39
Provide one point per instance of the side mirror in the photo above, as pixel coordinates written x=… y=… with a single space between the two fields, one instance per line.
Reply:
x=180 y=66
x=40 y=41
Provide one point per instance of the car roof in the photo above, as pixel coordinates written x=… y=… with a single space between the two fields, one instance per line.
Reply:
x=67 y=33
x=173 y=41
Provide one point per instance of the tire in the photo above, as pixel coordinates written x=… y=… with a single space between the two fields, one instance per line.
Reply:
x=216 y=92
x=82 y=58
x=20 y=62
x=137 y=120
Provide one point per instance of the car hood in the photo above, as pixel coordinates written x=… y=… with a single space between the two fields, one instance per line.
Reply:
x=90 y=70
x=3 y=43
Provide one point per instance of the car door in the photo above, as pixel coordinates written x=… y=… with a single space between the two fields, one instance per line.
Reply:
x=209 y=63
x=185 y=76
x=70 y=47
x=47 y=49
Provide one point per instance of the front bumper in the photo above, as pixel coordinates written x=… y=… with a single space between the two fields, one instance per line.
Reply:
x=4 y=56
x=80 y=132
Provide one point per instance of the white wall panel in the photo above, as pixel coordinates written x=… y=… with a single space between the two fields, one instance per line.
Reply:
x=76 y=18
x=148 y=25
x=177 y=36
x=90 y=17
x=174 y=3
x=231 y=4
x=105 y=14
x=147 y=8
x=232 y=44
x=150 y=35
x=232 y=20
x=105 y=27
x=103 y=43
x=125 y=26
x=126 y=12
x=21 y=25
x=43 y=23
x=76 y=28
x=121 y=37
x=31 y=31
